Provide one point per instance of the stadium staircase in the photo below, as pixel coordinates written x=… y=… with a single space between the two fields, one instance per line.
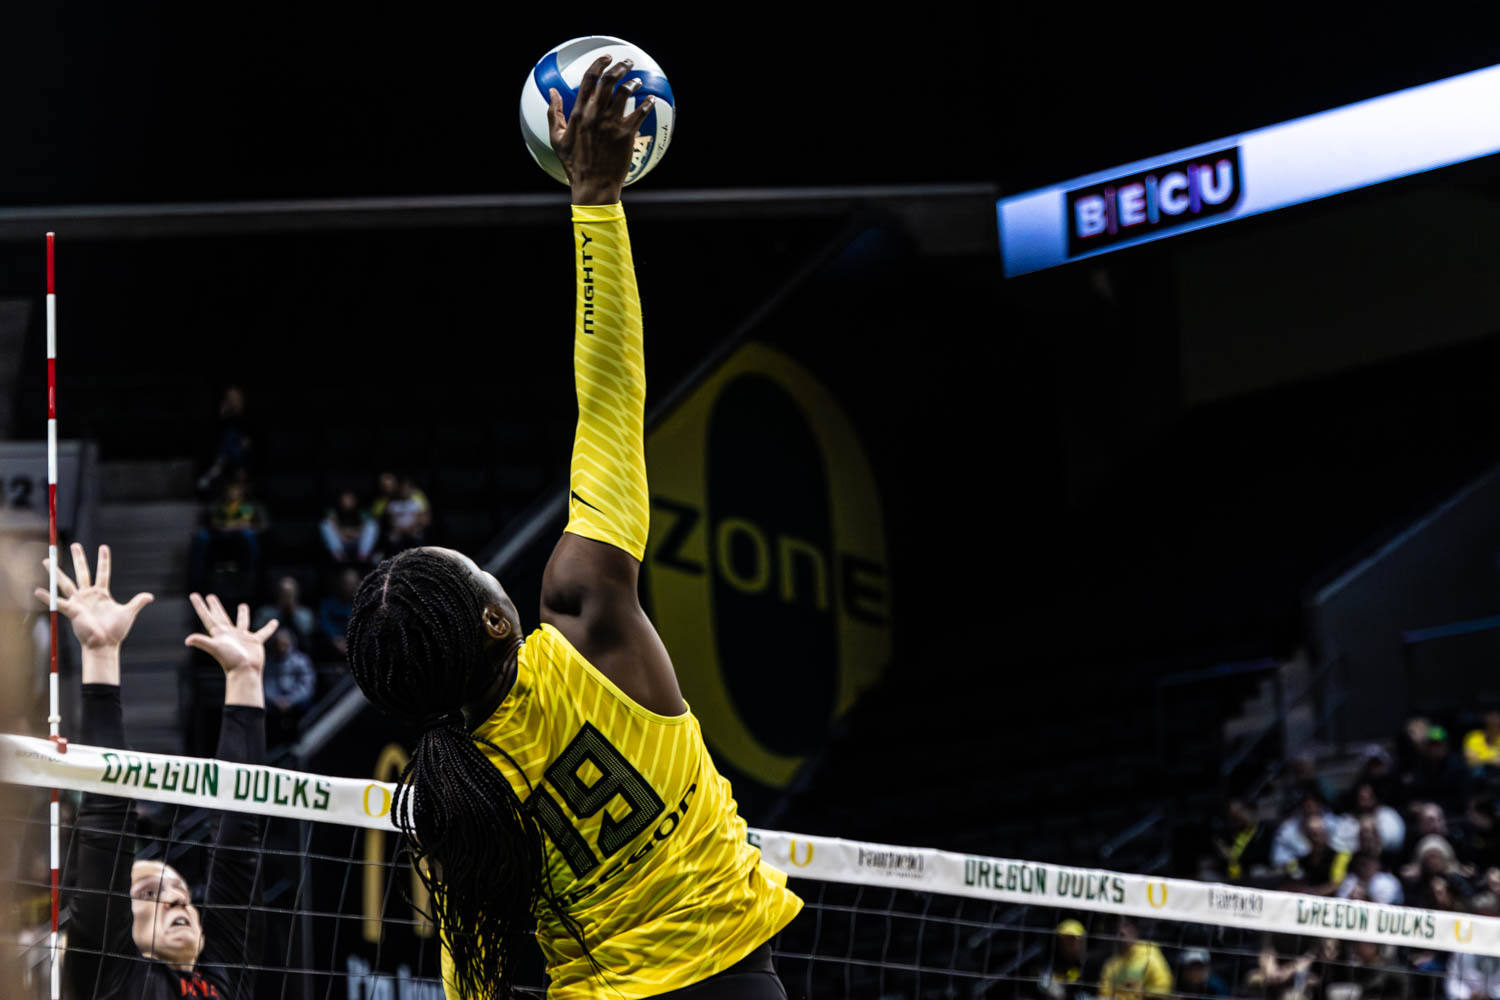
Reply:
x=147 y=516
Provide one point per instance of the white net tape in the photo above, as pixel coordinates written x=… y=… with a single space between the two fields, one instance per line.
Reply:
x=896 y=921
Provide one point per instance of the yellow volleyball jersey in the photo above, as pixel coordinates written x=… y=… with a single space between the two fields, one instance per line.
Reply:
x=645 y=846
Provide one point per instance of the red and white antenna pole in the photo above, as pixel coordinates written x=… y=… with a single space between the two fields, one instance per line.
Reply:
x=54 y=712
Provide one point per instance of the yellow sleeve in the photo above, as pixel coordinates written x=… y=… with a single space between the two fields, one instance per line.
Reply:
x=607 y=498
x=772 y=874
x=1107 y=979
x=1158 y=975
x=1476 y=750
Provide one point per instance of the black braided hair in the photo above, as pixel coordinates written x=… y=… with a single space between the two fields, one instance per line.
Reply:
x=417 y=648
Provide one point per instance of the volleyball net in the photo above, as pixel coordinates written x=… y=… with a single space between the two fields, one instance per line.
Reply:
x=340 y=914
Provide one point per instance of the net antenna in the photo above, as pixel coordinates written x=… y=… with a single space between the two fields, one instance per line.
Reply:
x=54 y=708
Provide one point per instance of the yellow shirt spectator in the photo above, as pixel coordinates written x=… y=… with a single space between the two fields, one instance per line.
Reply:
x=1140 y=971
x=1482 y=746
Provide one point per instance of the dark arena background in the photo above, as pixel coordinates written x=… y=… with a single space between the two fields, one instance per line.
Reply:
x=1054 y=566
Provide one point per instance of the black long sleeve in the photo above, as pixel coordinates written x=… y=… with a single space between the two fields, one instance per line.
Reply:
x=99 y=907
x=233 y=931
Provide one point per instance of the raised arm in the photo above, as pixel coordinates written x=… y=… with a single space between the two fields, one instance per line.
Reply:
x=589 y=590
x=234 y=932
x=99 y=923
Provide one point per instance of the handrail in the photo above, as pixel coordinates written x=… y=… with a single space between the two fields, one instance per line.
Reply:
x=1260 y=665
x=1413 y=636
x=1334 y=703
x=1232 y=763
x=1136 y=829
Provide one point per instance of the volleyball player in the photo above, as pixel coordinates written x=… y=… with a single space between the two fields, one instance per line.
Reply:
x=561 y=774
x=160 y=945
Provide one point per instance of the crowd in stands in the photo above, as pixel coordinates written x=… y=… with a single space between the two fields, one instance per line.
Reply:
x=313 y=603
x=1416 y=825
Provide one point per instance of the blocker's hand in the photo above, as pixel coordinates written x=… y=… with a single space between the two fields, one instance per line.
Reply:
x=230 y=642
x=596 y=143
x=99 y=621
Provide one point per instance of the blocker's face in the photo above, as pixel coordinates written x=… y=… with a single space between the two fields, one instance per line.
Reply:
x=167 y=925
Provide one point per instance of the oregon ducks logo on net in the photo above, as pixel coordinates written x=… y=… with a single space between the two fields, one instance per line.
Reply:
x=792 y=855
x=1156 y=894
x=766 y=567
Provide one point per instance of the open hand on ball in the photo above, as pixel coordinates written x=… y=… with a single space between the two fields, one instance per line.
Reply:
x=597 y=141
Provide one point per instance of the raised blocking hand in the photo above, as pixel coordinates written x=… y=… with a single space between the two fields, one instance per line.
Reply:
x=99 y=621
x=231 y=643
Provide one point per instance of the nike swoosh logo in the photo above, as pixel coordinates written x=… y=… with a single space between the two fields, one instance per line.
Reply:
x=575 y=496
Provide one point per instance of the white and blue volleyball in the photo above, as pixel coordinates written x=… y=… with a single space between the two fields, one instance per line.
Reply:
x=563 y=69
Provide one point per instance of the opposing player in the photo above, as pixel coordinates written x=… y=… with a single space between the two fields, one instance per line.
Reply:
x=160 y=945
x=561 y=774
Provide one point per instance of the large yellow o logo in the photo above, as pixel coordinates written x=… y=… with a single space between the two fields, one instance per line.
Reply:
x=1463 y=931
x=1151 y=888
x=388 y=767
x=792 y=855
x=382 y=796
x=686 y=538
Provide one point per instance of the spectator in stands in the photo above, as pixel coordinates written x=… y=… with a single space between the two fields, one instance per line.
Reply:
x=1475 y=977
x=1323 y=868
x=233 y=451
x=333 y=616
x=290 y=683
x=1434 y=878
x=1301 y=778
x=403 y=511
x=1282 y=979
x=1439 y=775
x=1363 y=802
x=1482 y=746
x=1367 y=880
x=349 y=532
x=1137 y=969
x=1242 y=842
x=1291 y=840
x=1067 y=976
x=1411 y=746
x=1429 y=820
x=1379 y=770
x=1481 y=834
x=234 y=526
x=295 y=617
x=1360 y=971
x=1195 y=976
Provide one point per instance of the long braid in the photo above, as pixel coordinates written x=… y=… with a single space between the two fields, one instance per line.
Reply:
x=417 y=650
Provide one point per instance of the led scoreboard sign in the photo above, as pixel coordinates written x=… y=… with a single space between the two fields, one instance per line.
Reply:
x=1408 y=132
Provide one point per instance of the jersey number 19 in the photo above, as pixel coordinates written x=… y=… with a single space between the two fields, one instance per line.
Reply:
x=616 y=777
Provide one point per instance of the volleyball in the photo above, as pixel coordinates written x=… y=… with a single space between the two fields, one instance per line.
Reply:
x=563 y=68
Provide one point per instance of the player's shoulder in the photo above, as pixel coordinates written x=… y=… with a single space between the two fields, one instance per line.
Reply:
x=547 y=651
